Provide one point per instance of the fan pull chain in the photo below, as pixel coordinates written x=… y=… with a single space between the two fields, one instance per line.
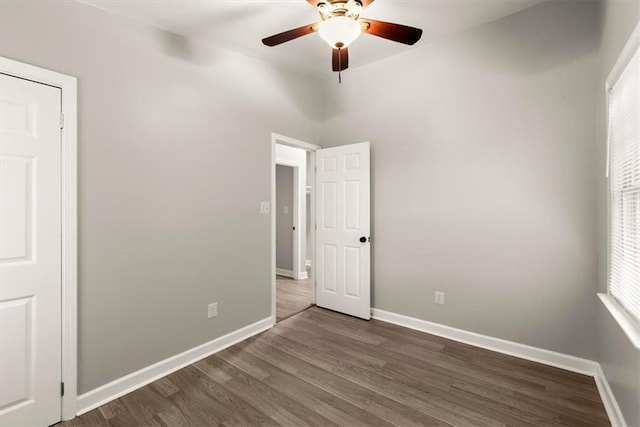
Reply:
x=340 y=66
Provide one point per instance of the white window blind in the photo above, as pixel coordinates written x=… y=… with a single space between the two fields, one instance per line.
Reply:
x=624 y=146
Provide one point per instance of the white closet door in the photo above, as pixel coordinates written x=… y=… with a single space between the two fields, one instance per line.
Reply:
x=30 y=253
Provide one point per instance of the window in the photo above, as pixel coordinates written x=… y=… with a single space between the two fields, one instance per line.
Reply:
x=624 y=174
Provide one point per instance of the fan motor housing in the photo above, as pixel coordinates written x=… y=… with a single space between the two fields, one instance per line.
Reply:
x=331 y=8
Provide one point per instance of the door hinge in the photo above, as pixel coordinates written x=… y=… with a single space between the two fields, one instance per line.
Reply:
x=61 y=121
x=61 y=389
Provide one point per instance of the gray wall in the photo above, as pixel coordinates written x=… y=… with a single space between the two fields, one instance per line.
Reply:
x=620 y=360
x=174 y=158
x=483 y=176
x=284 y=221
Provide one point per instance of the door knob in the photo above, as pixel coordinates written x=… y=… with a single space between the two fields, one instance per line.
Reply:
x=363 y=239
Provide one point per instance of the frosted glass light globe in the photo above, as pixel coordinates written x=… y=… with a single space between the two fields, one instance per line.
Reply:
x=339 y=31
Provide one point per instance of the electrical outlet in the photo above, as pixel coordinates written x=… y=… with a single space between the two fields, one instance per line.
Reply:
x=285 y=210
x=439 y=297
x=264 y=208
x=212 y=310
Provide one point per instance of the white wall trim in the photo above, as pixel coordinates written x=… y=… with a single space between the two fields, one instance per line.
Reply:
x=547 y=357
x=624 y=320
x=608 y=399
x=292 y=142
x=135 y=380
x=534 y=354
x=288 y=273
x=627 y=52
x=283 y=272
x=69 y=171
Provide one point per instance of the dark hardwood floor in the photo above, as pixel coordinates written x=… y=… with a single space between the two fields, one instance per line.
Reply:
x=292 y=296
x=323 y=368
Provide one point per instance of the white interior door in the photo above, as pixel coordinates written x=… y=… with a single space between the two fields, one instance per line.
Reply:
x=30 y=253
x=343 y=251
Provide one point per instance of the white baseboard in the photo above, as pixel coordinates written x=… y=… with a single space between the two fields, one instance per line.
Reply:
x=609 y=400
x=135 y=380
x=546 y=357
x=288 y=273
x=559 y=360
x=283 y=272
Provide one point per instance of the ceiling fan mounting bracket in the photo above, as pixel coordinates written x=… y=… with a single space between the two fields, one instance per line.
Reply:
x=333 y=8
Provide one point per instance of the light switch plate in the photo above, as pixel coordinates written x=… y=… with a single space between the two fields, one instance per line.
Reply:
x=212 y=310
x=264 y=208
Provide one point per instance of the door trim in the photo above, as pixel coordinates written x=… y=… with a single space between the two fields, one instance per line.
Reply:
x=285 y=140
x=69 y=209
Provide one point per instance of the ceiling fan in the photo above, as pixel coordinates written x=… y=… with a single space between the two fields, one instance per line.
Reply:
x=341 y=24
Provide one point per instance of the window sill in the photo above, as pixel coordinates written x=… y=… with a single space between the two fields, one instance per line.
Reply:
x=629 y=327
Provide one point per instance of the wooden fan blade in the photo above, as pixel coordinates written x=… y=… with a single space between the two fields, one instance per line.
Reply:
x=340 y=59
x=286 y=36
x=388 y=30
x=366 y=3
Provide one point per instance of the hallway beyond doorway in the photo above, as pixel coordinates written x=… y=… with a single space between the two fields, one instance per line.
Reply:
x=292 y=296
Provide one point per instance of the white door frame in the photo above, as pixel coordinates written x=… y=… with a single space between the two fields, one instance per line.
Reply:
x=284 y=140
x=69 y=168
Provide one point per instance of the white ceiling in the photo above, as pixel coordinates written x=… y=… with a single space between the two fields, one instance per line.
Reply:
x=242 y=24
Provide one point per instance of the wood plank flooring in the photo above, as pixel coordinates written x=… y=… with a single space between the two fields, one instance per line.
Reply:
x=292 y=296
x=320 y=368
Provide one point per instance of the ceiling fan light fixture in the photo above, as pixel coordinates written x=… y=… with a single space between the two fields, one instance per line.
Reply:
x=354 y=7
x=339 y=31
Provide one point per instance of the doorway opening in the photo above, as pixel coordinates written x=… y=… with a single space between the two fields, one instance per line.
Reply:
x=294 y=290
x=293 y=230
x=339 y=200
